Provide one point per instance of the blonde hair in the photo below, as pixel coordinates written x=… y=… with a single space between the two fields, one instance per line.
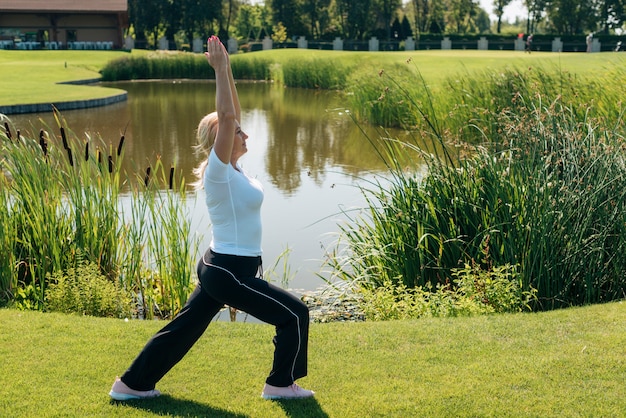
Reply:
x=205 y=136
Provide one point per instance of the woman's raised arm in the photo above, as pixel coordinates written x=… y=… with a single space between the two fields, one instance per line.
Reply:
x=225 y=98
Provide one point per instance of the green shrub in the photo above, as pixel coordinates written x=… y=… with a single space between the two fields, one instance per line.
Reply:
x=476 y=292
x=83 y=290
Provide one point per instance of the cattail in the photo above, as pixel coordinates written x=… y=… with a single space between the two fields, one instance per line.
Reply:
x=7 y=129
x=64 y=138
x=171 y=177
x=147 y=178
x=110 y=164
x=43 y=143
x=69 y=156
x=86 y=151
x=19 y=134
x=119 y=147
x=99 y=157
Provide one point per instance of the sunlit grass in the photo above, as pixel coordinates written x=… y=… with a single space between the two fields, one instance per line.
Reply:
x=566 y=363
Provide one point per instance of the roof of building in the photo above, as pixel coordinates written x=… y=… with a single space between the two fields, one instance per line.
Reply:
x=85 y=6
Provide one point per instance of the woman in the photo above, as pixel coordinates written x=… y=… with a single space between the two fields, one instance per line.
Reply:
x=230 y=272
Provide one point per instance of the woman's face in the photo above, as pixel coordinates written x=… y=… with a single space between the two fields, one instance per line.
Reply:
x=239 y=144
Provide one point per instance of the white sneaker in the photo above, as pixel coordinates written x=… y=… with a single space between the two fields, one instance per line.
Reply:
x=121 y=392
x=289 y=392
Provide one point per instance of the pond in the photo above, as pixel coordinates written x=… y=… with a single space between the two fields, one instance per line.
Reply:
x=307 y=152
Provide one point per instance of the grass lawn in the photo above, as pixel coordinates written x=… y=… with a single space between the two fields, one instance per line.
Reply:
x=31 y=76
x=28 y=77
x=566 y=363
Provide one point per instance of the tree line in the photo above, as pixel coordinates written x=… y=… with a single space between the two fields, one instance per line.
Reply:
x=361 y=19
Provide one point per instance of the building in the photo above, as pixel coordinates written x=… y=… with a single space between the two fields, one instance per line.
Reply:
x=29 y=24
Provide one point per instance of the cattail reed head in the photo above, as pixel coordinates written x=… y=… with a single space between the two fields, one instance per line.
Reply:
x=86 y=151
x=43 y=143
x=7 y=129
x=65 y=145
x=171 y=177
x=119 y=147
x=110 y=164
x=146 y=179
x=69 y=156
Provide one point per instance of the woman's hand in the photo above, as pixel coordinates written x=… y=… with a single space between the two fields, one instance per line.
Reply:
x=216 y=53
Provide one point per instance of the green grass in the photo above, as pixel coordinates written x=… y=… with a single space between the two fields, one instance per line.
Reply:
x=28 y=77
x=566 y=363
x=32 y=76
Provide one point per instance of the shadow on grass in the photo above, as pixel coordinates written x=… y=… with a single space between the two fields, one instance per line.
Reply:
x=298 y=408
x=167 y=406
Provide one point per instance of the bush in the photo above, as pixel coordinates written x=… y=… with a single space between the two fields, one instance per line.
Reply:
x=475 y=292
x=84 y=290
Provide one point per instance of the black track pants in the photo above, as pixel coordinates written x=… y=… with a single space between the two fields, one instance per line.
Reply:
x=228 y=280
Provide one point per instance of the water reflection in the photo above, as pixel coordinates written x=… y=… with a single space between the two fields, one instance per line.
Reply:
x=304 y=149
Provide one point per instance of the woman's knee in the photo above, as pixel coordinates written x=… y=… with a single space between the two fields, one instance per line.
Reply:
x=302 y=311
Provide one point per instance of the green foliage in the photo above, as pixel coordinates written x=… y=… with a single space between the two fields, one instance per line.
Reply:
x=475 y=292
x=376 y=101
x=314 y=74
x=84 y=290
x=157 y=65
x=542 y=193
x=26 y=298
x=60 y=202
x=279 y=32
x=499 y=290
x=305 y=73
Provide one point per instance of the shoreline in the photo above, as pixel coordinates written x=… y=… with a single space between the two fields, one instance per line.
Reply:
x=64 y=105
x=326 y=304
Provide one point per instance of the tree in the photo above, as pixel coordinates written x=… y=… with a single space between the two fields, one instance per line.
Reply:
x=462 y=13
x=611 y=14
x=437 y=20
x=569 y=17
x=148 y=22
x=288 y=12
x=396 y=30
x=536 y=10
x=421 y=10
x=315 y=12
x=356 y=18
x=248 y=23
x=405 y=28
x=385 y=10
x=482 y=21
x=498 y=10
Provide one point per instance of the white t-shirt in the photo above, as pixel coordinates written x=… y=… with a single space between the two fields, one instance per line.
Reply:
x=234 y=203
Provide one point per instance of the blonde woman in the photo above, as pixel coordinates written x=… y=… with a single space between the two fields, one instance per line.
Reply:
x=230 y=272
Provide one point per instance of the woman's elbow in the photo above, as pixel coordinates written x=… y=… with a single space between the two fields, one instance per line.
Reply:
x=229 y=116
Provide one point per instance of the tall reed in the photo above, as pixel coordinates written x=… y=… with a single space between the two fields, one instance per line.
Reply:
x=171 y=65
x=544 y=192
x=315 y=74
x=63 y=202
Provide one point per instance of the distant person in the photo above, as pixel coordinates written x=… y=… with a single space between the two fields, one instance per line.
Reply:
x=529 y=43
x=589 y=41
x=230 y=272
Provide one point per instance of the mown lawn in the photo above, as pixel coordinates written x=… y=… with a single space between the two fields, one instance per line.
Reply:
x=31 y=76
x=566 y=363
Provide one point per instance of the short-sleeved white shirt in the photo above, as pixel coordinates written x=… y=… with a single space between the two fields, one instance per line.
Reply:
x=234 y=203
